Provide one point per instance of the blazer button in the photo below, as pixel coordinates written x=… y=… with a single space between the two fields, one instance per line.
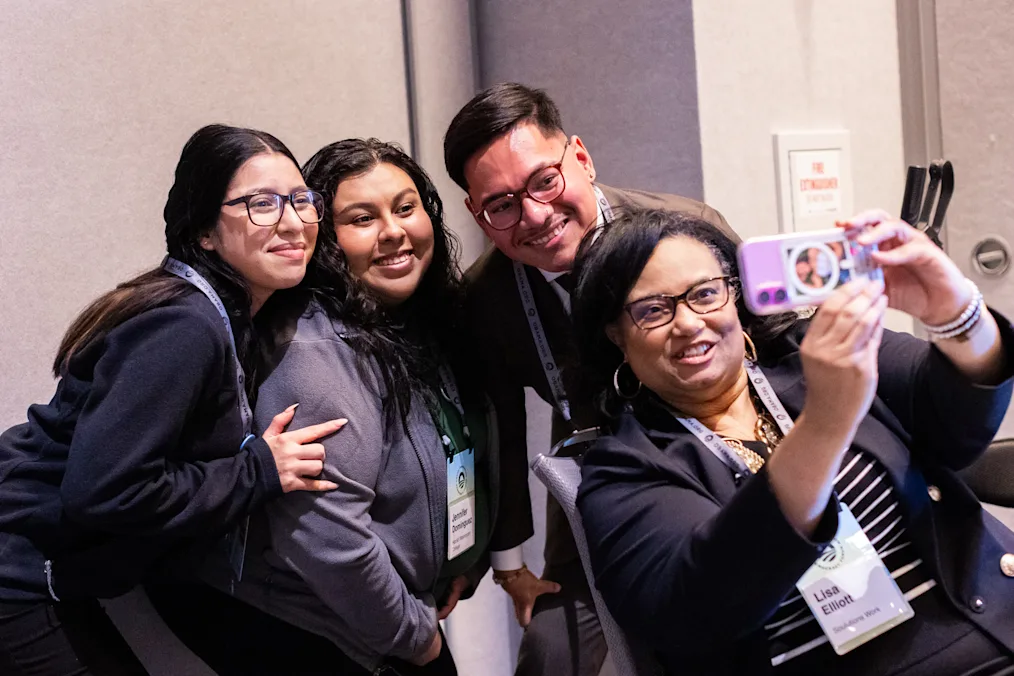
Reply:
x=1007 y=565
x=977 y=604
x=934 y=493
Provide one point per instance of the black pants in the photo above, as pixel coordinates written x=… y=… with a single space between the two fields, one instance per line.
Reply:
x=564 y=637
x=236 y=639
x=442 y=666
x=71 y=638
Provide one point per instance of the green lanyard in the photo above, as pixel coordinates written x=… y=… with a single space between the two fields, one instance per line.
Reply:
x=453 y=429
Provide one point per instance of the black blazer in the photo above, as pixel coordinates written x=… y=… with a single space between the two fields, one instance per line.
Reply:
x=694 y=566
x=511 y=362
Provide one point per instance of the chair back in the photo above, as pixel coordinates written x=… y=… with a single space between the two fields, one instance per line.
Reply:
x=560 y=471
x=991 y=476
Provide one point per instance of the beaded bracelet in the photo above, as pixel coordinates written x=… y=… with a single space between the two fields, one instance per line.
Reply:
x=968 y=318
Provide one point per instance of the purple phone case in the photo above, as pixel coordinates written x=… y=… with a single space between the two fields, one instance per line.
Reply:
x=761 y=269
x=764 y=274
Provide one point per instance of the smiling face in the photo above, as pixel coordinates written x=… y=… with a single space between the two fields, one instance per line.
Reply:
x=268 y=257
x=385 y=232
x=695 y=357
x=547 y=235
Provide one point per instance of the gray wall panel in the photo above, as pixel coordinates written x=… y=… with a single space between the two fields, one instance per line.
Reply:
x=623 y=75
x=443 y=73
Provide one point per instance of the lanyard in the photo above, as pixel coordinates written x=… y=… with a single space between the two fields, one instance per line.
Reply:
x=714 y=442
x=187 y=273
x=233 y=543
x=449 y=389
x=546 y=358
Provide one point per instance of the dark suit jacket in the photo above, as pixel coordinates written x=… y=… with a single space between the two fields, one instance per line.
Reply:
x=507 y=351
x=694 y=566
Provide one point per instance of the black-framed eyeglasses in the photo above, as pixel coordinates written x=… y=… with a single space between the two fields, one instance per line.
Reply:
x=266 y=208
x=544 y=186
x=703 y=297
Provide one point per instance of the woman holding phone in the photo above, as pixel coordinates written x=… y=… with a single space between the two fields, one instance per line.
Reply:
x=777 y=495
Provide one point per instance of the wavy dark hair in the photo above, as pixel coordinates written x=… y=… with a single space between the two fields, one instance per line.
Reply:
x=608 y=266
x=210 y=158
x=406 y=342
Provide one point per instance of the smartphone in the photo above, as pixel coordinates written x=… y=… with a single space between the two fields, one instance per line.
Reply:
x=801 y=269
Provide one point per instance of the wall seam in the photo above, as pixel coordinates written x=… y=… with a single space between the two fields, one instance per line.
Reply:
x=412 y=103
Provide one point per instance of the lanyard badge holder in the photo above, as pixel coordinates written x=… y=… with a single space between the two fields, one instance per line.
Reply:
x=850 y=591
x=460 y=474
x=848 y=588
x=918 y=202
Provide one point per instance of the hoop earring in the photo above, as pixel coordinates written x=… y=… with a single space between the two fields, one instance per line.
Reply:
x=751 y=349
x=616 y=384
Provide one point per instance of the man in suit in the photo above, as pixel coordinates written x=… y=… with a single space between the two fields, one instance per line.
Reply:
x=532 y=190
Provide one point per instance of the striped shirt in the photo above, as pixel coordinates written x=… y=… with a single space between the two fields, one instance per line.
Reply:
x=797 y=643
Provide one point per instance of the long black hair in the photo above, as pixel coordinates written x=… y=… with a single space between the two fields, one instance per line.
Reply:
x=407 y=342
x=210 y=158
x=609 y=264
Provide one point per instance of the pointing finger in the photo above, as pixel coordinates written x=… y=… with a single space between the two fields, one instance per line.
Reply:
x=314 y=432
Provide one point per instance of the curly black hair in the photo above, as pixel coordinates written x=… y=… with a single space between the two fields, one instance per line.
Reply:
x=408 y=342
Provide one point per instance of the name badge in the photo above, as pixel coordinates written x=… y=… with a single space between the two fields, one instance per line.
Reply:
x=850 y=591
x=460 y=502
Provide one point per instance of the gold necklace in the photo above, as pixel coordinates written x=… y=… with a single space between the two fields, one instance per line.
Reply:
x=753 y=460
x=766 y=432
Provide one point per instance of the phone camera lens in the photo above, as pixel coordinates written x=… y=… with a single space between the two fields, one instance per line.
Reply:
x=764 y=297
x=780 y=296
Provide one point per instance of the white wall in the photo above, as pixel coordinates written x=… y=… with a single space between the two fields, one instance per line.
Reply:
x=99 y=98
x=796 y=65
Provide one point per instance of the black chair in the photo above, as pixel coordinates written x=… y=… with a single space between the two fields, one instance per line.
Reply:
x=991 y=477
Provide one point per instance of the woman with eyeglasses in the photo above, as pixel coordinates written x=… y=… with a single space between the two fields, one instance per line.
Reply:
x=777 y=495
x=375 y=339
x=144 y=459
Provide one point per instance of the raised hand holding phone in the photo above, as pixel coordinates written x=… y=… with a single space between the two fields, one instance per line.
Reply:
x=919 y=278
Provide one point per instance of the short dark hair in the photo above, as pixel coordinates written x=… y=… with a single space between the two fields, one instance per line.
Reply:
x=491 y=114
x=607 y=267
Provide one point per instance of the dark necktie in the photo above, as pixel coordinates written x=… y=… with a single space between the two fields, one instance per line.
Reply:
x=566 y=282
